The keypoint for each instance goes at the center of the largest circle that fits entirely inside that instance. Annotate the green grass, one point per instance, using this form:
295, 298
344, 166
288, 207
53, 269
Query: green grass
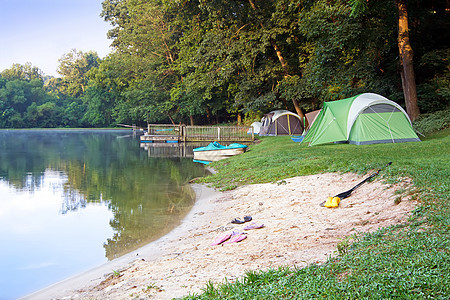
409, 261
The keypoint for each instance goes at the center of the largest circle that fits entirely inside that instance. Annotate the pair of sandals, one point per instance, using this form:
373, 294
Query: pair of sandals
229, 237
239, 221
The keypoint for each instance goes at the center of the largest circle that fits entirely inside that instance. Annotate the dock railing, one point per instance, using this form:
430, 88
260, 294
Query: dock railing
202, 133
165, 130
218, 133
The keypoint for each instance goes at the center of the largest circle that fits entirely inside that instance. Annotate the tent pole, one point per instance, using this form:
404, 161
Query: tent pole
289, 125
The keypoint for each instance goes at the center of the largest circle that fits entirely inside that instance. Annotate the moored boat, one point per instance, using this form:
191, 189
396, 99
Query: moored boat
215, 151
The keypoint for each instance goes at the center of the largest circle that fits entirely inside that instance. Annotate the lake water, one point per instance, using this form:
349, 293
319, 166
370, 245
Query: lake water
71, 200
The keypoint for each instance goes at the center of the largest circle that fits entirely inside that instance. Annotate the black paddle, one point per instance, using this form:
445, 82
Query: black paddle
346, 194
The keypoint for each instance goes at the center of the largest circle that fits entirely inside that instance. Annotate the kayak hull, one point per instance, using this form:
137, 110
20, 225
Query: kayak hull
214, 151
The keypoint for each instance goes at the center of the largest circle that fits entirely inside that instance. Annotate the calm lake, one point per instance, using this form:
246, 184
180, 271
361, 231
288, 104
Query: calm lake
73, 199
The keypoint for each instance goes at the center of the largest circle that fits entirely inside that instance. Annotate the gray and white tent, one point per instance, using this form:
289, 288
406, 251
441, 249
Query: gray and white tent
281, 122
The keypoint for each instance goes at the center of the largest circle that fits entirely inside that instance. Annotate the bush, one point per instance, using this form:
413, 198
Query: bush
433, 122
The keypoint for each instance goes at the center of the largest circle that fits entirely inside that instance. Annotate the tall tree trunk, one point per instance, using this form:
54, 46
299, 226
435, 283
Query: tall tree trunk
283, 62
170, 117
300, 113
252, 4
284, 65
191, 117
406, 60
239, 119
208, 115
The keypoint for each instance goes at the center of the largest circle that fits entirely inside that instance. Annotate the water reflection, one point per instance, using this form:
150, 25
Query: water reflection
91, 188
39, 244
55, 182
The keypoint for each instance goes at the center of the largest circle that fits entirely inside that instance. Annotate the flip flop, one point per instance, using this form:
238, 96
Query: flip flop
236, 238
221, 238
253, 226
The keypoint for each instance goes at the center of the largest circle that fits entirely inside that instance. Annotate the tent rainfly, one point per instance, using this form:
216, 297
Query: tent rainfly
311, 117
363, 119
281, 122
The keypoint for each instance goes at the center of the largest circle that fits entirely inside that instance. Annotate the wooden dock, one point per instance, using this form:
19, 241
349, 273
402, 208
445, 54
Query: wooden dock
160, 139
171, 149
162, 133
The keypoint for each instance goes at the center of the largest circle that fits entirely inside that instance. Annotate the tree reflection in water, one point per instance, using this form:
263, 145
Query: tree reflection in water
148, 196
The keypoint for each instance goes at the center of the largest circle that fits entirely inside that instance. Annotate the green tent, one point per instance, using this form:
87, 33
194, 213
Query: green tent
363, 119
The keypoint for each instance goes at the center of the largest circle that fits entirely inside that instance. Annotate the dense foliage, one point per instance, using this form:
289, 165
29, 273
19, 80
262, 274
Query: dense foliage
214, 61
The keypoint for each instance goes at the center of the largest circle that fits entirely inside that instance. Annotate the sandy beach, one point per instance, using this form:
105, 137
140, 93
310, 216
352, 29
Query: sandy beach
297, 232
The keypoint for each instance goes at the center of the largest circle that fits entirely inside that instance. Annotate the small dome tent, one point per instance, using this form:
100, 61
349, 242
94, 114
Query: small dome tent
363, 119
256, 127
281, 122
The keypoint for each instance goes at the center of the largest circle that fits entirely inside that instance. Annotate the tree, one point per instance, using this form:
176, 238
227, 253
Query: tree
406, 61
145, 37
197, 60
406, 54
246, 52
22, 72
275, 44
23, 100
73, 68
46, 115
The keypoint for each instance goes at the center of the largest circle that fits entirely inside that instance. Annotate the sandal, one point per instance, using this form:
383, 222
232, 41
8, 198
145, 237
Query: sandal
237, 221
253, 226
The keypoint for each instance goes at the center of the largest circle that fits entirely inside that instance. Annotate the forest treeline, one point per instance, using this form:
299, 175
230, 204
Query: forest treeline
206, 62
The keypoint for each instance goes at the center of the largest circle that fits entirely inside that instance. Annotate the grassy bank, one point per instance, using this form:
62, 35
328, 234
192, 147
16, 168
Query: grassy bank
410, 261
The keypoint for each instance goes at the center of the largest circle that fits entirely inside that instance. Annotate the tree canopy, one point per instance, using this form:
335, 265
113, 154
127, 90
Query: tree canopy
197, 61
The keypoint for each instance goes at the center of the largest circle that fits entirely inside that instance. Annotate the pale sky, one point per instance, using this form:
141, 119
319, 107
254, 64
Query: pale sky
41, 31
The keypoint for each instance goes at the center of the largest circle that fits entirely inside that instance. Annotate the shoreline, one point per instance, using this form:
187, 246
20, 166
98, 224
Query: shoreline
297, 232
96, 275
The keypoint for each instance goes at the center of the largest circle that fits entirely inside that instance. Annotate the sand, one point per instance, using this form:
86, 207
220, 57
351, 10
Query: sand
297, 232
